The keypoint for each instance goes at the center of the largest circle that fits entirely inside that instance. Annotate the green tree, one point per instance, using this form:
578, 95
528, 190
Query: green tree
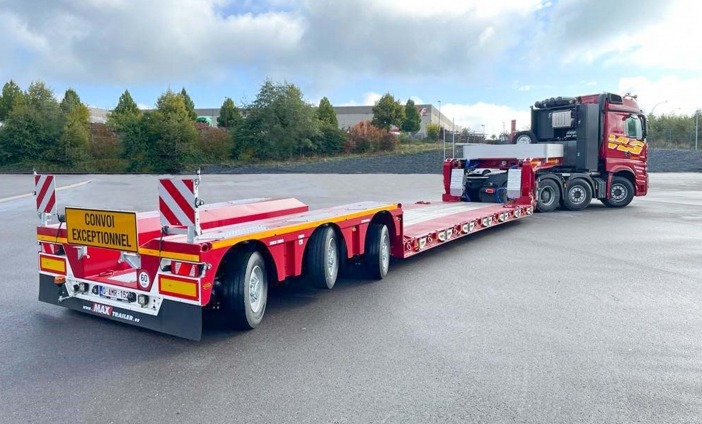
11, 96
278, 125
413, 121
75, 138
433, 131
229, 115
45, 115
125, 113
326, 112
189, 104
387, 112
172, 135
70, 101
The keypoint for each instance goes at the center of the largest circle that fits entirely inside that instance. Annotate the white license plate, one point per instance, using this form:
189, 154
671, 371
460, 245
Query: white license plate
114, 293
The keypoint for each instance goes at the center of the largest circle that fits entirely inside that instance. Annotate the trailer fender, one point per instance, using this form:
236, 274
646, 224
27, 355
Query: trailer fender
274, 262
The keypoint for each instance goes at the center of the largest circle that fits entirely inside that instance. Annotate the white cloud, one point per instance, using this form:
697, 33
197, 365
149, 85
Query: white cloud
658, 34
669, 94
493, 116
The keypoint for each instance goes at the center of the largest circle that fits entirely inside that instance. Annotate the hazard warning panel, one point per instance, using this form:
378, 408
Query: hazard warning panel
101, 228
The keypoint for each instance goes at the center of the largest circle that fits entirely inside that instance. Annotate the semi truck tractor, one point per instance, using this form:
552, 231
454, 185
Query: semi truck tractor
593, 147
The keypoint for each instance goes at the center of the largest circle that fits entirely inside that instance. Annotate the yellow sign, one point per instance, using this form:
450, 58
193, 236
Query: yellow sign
98, 228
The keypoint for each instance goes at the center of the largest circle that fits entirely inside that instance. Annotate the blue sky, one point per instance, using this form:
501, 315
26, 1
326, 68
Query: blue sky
485, 61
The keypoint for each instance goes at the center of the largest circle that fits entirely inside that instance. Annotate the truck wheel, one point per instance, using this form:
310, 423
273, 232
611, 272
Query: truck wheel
245, 291
578, 195
548, 196
377, 251
524, 137
621, 193
322, 259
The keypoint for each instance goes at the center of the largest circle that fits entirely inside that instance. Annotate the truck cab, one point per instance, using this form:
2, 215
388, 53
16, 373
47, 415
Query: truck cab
604, 150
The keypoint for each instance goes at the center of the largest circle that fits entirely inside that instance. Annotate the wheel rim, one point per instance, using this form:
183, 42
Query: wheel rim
385, 252
618, 192
577, 195
546, 195
332, 262
256, 289
523, 139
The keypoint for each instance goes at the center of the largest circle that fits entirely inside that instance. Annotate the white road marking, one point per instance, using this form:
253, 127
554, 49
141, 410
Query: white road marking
20, 196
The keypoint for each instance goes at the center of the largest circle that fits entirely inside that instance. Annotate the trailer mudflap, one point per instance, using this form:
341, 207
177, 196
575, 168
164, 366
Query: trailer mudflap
174, 318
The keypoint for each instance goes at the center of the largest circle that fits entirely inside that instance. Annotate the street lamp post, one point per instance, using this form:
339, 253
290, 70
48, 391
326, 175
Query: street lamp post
656, 105
453, 139
697, 125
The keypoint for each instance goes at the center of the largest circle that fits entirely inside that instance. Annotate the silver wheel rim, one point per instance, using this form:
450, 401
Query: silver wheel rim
577, 195
331, 257
385, 252
523, 139
256, 289
618, 188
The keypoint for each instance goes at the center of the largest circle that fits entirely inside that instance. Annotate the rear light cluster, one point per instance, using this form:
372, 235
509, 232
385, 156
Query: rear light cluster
185, 269
52, 248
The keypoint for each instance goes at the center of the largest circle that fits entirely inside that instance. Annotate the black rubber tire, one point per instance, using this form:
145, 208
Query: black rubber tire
377, 256
548, 195
238, 309
520, 136
578, 194
621, 193
322, 258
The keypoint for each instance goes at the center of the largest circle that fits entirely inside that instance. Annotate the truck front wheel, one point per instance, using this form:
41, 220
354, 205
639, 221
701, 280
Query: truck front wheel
377, 251
621, 193
578, 195
245, 291
548, 196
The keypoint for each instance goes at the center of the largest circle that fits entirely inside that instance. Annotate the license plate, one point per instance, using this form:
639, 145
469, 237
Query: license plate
114, 293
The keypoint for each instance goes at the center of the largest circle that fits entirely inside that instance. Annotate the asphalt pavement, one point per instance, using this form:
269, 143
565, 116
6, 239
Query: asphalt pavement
567, 317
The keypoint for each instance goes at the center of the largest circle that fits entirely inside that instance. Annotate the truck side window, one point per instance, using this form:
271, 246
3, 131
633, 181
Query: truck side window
634, 127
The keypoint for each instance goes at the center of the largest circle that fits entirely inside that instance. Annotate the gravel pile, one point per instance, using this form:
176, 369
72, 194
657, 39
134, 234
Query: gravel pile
660, 160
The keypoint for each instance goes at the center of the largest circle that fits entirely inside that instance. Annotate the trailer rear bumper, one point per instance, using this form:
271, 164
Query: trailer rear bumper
174, 318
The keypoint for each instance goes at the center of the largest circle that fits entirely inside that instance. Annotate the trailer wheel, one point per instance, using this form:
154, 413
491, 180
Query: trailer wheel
524, 137
578, 194
245, 291
548, 196
621, 193
322, 259
377, 251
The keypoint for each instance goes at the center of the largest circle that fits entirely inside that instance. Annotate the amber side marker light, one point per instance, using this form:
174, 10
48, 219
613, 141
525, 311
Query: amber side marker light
59, 279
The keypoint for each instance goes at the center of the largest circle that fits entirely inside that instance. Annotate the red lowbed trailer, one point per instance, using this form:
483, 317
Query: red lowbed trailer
160, 270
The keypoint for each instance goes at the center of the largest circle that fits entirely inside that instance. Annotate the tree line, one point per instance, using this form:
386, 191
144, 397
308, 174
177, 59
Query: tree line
39, 131
673, 131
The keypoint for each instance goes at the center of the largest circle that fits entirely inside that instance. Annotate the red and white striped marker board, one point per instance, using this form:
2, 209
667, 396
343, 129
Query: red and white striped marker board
176, 202
45, 192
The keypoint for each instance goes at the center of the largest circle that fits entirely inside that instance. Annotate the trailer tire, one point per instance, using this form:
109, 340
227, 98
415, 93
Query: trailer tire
524, 137
245, 291
621, 193
548, 195
322, 259
377, 256
578, 194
